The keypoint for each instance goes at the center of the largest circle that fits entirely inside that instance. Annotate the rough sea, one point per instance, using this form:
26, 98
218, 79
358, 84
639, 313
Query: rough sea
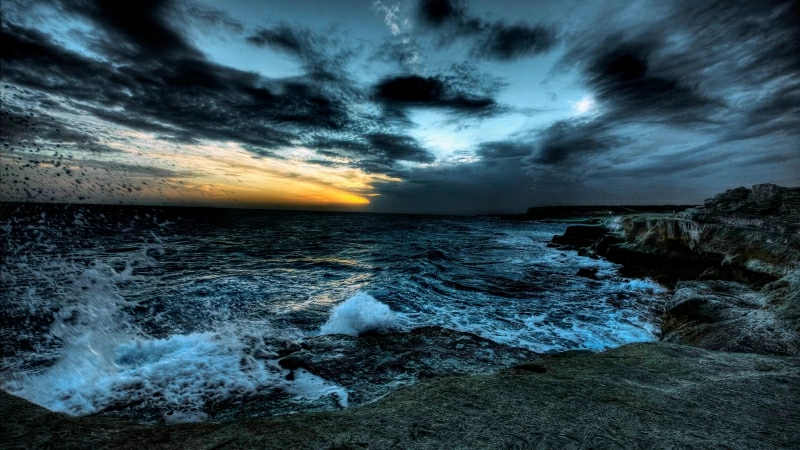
106, 308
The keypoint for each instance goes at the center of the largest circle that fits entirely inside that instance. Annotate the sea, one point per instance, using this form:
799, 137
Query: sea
108, 307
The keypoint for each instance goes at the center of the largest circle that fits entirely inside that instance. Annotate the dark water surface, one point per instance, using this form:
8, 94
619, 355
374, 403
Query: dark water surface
103, 306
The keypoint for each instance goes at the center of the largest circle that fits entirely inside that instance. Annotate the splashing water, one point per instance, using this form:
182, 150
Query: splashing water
359, 314
157, 318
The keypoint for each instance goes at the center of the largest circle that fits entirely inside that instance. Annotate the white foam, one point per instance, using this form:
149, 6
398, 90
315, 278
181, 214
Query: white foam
359, 314
309, 386
106, 361
178, 375
642, 285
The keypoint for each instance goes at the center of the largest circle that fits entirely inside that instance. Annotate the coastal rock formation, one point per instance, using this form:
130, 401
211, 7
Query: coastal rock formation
571, 213
653, 395
730, 316
371, 365
577, 236
746, 235
735, 264
766, 207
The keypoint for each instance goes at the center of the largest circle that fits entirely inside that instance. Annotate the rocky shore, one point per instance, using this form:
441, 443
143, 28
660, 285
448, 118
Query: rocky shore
734, 264
726, 373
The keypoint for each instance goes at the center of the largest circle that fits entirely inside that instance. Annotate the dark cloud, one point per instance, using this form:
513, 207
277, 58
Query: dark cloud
493, 40
778, 113
440, 12
566, 140
622, 77
30, 131
180, 95
212, 16
485, 186
324, 56
405, 53
507, 42
701, 63
143, 24
700, 90
399, 148
283, 37
375, 152
564, 143
462, 91
504, 149
417, 91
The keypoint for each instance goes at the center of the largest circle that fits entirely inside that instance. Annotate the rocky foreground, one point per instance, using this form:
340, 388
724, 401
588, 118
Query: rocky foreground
654, 395
725, 375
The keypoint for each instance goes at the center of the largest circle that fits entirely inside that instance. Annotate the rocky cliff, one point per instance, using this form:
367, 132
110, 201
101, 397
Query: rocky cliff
734, 263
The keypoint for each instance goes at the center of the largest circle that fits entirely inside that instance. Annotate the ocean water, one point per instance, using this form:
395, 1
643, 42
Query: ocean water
178, 309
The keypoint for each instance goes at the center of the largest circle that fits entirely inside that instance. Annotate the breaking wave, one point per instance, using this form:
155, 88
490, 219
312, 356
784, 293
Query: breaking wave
359, 314
106, 361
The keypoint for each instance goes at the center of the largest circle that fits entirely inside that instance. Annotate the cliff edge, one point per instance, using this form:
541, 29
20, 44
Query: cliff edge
734, 264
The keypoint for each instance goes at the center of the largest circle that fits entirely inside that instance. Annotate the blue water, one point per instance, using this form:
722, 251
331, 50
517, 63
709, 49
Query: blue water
103, 304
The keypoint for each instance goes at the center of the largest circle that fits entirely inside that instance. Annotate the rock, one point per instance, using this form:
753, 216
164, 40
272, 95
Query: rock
581, 235
587, 273
730, 316
371, 365
601, 246
666, 262
766, 206
596, 213
649, 396
748, 236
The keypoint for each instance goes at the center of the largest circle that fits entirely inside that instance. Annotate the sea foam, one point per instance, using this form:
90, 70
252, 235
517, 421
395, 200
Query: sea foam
107, 362
359, 314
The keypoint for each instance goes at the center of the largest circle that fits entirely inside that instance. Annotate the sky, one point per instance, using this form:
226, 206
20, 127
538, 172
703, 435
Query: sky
424, 106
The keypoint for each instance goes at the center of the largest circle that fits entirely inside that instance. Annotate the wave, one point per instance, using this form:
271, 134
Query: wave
359, 314
106, 362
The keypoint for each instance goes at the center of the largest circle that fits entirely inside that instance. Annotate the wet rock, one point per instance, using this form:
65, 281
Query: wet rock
371, 365
588, 273
666, 262
590, 214
745, 235
730, 316
581, 235
601, 246
289, 349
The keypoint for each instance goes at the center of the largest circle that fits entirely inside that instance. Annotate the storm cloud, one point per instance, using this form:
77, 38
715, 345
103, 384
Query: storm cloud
492, 40
443, 102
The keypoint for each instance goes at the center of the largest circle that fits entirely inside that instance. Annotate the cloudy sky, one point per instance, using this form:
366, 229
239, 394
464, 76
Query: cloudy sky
397, 106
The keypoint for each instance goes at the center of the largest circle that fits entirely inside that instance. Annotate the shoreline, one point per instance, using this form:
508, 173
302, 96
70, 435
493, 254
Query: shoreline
650, 395
726, 373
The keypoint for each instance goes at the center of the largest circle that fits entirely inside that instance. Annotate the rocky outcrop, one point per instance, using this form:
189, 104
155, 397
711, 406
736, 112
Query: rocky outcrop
572, 213
746, 235
747, 254
653, 396
735, 264
730, 316
371, 365
577, 236
765, 207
